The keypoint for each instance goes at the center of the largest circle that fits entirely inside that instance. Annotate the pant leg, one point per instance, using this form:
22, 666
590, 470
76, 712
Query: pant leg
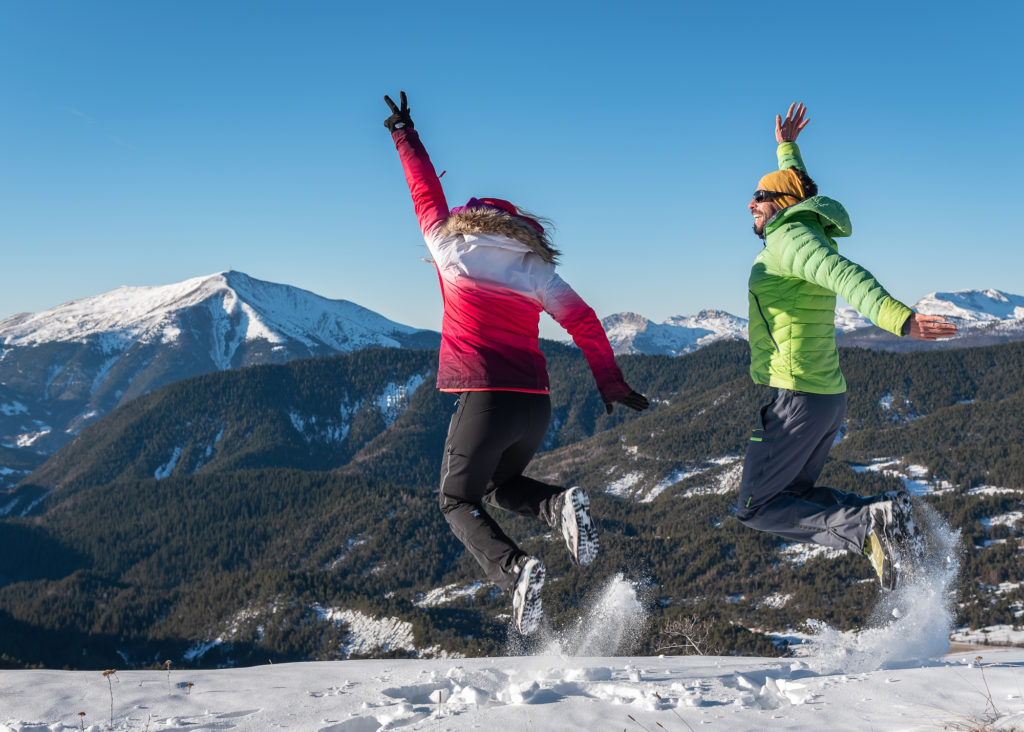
484, 426
509, 488
824, 496
836, 526
784, 458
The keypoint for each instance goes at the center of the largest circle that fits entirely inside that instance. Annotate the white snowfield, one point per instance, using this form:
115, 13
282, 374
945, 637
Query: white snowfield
895, 674
528, 693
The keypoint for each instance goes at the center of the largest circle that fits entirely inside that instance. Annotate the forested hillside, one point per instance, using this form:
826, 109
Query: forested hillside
273, 512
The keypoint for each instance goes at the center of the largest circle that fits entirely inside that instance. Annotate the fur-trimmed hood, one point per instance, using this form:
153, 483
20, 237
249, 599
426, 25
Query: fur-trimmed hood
493, 221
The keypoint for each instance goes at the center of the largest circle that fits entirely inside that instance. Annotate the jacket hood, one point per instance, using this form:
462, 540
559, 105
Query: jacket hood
493, 221
829, 213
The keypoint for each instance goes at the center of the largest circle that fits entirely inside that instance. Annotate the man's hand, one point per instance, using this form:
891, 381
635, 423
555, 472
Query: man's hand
399, 118
633, 400
928, 327
789, 129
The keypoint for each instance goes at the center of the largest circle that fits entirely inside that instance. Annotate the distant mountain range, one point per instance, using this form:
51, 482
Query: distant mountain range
985, 317
632, 333
65, 367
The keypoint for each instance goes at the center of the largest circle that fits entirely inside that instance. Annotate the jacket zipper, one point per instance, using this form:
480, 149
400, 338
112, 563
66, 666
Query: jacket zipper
765, 320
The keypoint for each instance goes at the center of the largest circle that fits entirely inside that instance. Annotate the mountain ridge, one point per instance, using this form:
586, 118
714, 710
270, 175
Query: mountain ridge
63, 368
680, 334
129, 314
985, 317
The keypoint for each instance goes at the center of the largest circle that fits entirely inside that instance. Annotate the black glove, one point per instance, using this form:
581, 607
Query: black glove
400, 117
633, 400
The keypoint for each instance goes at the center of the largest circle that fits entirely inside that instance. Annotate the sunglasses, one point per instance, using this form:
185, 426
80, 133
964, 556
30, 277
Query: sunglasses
761, 196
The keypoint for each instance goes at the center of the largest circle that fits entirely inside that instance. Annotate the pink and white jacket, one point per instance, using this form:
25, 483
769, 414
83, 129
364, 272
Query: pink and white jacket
494, 285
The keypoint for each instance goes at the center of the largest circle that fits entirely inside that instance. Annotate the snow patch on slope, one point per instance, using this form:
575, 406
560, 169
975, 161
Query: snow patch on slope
914, 477
448, 594
799, 554
623, 487
12, 408
373, 635
165, 470
394, 400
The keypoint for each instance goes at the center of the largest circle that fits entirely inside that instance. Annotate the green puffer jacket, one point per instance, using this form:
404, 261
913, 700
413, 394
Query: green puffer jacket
793, 286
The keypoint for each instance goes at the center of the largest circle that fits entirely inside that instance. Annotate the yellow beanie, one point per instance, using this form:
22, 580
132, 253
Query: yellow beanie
783, 181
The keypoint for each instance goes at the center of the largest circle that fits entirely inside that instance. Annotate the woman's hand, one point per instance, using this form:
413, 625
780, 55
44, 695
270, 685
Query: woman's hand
399, 118
633, 400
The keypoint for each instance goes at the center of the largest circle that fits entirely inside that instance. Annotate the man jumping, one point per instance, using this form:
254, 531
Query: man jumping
792, 294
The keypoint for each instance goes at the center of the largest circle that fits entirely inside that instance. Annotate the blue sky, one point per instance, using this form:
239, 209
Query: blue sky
143, 143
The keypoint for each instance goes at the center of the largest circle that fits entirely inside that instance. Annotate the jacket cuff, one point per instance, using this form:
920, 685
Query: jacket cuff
892, 315
614, 391
788, 154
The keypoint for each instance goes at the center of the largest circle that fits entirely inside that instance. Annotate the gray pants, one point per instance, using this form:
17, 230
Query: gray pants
784, 458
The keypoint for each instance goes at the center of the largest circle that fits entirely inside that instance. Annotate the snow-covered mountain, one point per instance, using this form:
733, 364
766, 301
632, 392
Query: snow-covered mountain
63, 368
679, 334
235, 309
984, 317
632, 333
976, 307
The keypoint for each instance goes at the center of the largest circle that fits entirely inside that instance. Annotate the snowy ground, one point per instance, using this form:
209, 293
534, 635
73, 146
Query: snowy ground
528, 693
895, 674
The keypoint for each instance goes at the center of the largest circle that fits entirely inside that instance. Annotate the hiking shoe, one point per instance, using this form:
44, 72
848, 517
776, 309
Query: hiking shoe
571, 512
873, 551
883, 542
526, 606
912, 540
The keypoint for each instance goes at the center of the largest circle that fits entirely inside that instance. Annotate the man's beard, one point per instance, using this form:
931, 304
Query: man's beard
760, 234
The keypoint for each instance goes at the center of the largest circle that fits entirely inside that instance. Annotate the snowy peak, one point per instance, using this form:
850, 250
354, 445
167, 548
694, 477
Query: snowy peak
257, 310
974, 307
969, 309
71, 364
632, 333
983, 316
717, 321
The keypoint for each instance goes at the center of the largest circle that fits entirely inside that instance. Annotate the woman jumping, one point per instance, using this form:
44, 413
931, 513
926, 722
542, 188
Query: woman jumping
497, 270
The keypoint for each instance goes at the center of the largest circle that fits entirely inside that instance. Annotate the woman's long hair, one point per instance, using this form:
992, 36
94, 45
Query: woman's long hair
545, 238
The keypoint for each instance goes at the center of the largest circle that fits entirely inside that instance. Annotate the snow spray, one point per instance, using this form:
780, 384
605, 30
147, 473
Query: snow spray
612, 625
909, 625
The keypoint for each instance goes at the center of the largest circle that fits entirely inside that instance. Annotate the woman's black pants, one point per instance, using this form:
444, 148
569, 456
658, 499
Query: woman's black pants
492, 437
